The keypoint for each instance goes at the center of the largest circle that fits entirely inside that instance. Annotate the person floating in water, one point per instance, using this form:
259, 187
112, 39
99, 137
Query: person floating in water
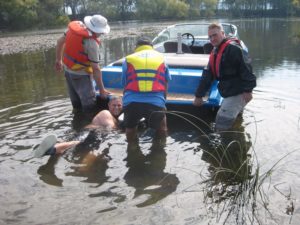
105, 119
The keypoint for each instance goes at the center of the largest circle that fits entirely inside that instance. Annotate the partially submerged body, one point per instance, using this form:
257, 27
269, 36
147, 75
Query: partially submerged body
104, 120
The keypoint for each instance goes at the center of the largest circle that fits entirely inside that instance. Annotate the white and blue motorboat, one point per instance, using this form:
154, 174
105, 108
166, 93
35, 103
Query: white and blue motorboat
186, 49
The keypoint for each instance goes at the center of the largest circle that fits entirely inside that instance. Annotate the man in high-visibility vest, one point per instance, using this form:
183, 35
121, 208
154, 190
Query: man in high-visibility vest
145, 80
78, 53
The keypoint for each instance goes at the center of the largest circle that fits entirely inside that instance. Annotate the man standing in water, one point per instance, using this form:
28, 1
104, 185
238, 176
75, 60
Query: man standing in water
79, 54
145, 78
105, 119
227, 64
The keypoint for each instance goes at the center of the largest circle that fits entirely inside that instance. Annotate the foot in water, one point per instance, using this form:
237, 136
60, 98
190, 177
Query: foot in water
46, 147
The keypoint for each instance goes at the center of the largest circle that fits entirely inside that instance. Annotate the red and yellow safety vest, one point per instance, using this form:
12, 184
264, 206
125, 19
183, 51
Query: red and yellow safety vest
145, 70
215, 59
74, 56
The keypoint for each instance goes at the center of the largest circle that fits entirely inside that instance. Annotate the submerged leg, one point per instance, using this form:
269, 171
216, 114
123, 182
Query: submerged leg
62, 147
49, 146
228, 112
131, 135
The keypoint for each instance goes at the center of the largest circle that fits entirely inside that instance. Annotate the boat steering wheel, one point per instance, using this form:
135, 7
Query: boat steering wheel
187, 37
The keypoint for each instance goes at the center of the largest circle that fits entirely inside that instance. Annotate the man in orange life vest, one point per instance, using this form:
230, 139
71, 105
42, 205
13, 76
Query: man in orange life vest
145, 79
77, 51
229, 65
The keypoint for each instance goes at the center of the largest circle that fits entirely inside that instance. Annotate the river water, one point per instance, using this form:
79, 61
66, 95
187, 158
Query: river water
187, 180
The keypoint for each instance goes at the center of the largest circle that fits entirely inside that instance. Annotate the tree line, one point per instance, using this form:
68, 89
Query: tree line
25, 14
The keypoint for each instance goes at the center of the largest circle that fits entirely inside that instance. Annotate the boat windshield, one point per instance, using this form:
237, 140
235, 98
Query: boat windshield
199, 31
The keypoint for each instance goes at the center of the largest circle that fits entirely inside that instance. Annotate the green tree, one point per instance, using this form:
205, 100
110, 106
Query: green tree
18, 14
194, 7
198, 8
72, 5
262, 7
124, 7
176, 9
154, 9
113, 9
208, 7
296, 3
51, 13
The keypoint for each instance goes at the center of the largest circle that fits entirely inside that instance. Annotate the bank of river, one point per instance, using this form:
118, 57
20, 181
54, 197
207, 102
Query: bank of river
12, 43
27, 43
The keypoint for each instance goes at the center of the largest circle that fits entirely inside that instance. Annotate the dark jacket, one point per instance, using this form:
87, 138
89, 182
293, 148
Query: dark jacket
236, 74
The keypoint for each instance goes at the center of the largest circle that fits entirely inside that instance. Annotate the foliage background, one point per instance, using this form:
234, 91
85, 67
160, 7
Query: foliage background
25, 14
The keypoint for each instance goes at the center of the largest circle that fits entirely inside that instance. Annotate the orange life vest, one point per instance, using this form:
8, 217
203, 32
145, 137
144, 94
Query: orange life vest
215, 59
145, 71
74, 56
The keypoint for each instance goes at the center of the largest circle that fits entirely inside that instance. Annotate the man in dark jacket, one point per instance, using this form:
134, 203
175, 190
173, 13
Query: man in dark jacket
229, 65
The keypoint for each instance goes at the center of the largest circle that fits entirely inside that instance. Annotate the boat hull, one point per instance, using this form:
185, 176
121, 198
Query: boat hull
181, 88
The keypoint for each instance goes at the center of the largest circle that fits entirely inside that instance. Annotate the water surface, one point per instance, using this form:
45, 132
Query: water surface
175, 183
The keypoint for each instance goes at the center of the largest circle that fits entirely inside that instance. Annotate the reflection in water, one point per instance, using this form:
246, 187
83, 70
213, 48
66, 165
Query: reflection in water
228, 158
230, 168
47, 172
146, 173
30, 80
89, 159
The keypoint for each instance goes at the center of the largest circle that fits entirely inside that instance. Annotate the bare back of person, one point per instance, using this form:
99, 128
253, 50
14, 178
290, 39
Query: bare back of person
105, 119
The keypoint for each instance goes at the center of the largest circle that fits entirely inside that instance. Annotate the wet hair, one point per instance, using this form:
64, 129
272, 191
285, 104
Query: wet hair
215, 25
114, 97
143, 41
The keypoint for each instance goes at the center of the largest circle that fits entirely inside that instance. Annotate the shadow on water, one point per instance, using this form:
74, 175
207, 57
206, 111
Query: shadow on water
88, 160
146, 173
47, 172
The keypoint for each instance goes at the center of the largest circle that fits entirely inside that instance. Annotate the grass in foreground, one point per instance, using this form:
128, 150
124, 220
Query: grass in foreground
233, 191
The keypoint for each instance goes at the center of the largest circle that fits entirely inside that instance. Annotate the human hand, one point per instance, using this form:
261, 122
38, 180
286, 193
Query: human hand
104, 94
198, 101
247, 96
58, 65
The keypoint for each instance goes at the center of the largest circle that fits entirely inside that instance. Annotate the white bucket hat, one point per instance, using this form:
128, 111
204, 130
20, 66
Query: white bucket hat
97, 24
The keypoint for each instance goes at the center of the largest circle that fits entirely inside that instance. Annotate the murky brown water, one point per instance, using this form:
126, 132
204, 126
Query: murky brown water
178, 183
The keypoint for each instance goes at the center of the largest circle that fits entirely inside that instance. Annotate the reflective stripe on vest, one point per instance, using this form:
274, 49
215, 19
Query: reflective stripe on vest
215, 59
74, 56
145, 71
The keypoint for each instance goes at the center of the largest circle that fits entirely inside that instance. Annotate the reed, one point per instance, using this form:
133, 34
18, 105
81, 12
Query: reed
234, 191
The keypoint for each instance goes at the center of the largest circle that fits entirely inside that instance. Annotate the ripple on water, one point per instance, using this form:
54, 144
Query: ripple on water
26, 123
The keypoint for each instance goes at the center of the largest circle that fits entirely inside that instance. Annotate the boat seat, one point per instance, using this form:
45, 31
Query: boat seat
171, 47
207, 47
